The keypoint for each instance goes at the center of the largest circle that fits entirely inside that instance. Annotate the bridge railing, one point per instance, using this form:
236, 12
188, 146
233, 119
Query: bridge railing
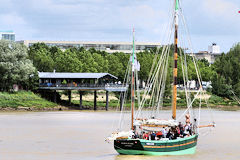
54, 85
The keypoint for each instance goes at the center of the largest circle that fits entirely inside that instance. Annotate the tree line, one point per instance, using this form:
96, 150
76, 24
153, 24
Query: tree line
19, 65
47, 59
226, 76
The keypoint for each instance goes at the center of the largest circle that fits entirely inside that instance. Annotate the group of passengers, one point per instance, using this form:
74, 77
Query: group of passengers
170, 133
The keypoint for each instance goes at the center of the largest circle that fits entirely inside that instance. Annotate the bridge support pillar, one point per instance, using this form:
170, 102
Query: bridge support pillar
95, 100
107, 100
121, 101
80, 102
69, 96
55, 96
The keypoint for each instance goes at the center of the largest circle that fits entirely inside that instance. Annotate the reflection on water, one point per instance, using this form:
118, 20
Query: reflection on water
80, 135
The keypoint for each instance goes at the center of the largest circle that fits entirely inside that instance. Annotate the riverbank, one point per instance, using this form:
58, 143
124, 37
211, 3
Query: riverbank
213, 101
28, 101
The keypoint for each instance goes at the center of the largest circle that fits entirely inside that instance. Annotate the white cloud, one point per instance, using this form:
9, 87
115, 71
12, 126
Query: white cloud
221, 8
113, 20
142, 15
12, 21
149, 22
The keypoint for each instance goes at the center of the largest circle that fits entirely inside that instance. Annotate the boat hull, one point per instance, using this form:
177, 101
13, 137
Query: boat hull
181, 146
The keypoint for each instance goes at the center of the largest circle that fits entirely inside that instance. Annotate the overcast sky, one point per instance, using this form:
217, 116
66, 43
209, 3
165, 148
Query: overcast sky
112, 20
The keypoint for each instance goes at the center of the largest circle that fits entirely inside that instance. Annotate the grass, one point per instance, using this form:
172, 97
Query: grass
23, 99
222, 101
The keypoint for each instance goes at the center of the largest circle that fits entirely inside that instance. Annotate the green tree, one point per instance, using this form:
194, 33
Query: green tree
146, 60
205, 70
68, 62
227, 68
220, 86
54, 52
89, 63
15, 67
102, 64
41, 56
115, 66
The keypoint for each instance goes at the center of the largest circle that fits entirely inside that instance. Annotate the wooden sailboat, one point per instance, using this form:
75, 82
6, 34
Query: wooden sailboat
127, 143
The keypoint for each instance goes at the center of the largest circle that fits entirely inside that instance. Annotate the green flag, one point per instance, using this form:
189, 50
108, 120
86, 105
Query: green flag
133, 46
177, 5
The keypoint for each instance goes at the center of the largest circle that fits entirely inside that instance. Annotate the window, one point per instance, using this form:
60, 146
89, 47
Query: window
10, 37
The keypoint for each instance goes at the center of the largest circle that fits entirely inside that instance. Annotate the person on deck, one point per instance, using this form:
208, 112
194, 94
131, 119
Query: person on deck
145, 135
150, 136
180, 126
194, 126
153, 136
169, 135
136, 135
159, 134
186, 130
190, 129
164, 132
187, 116
176, 133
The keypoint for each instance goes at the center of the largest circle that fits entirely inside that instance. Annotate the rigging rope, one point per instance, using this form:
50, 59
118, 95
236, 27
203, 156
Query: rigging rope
154, 73
156, 82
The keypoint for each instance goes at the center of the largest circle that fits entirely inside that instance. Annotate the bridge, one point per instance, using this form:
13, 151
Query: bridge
54, 81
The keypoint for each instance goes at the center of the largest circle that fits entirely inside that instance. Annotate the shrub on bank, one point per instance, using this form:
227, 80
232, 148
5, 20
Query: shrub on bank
216, 100
23, 99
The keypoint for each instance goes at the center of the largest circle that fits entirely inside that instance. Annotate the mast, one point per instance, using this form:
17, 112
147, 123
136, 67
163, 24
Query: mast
133, 81
174, 103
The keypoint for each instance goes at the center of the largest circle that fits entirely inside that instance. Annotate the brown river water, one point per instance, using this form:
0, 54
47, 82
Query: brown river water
75, 135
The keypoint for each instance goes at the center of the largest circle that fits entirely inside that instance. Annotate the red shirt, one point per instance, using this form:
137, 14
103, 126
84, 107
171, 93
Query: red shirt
145, 136
159, 133
178, 131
